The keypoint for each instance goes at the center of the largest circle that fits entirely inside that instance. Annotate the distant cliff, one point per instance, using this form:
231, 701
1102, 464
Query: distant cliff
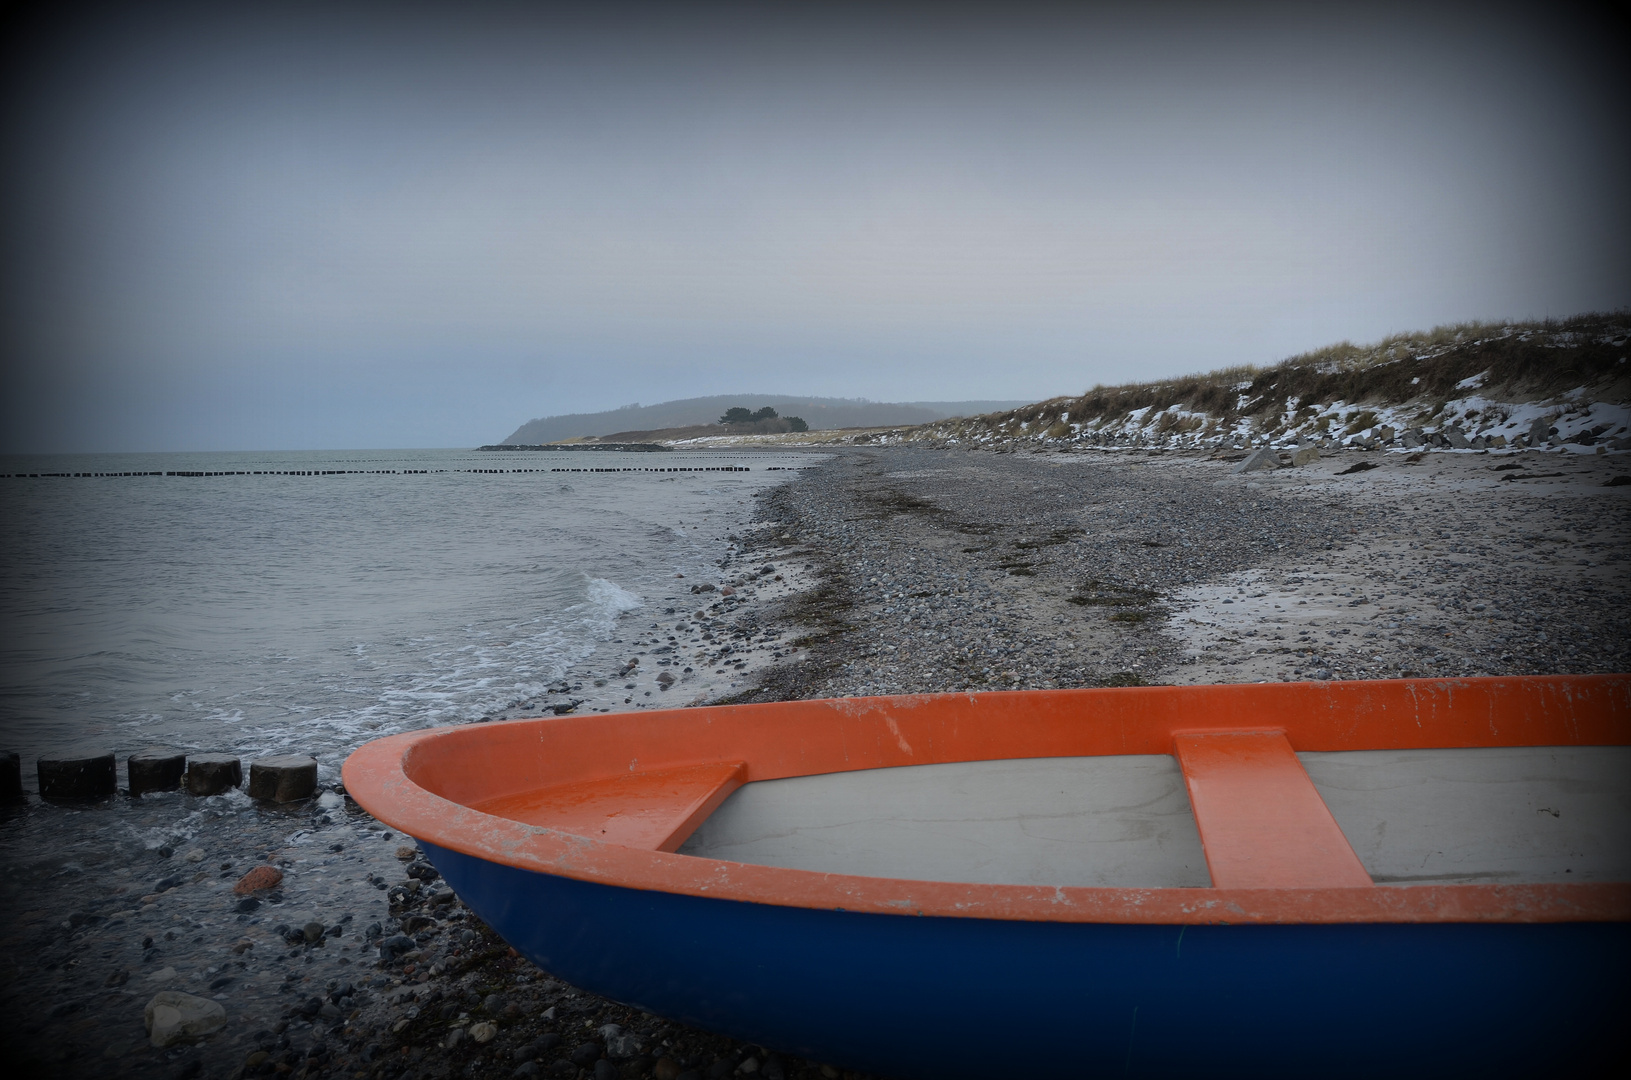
822, 414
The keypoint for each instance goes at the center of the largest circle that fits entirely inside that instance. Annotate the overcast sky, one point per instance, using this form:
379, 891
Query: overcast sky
263, 226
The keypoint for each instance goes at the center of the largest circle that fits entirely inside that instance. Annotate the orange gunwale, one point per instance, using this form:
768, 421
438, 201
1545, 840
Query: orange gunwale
426, 784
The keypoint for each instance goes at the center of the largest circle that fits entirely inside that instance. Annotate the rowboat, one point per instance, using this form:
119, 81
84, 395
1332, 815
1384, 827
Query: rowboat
1402, 877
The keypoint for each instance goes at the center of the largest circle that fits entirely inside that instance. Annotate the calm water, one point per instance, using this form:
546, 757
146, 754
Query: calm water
263, 613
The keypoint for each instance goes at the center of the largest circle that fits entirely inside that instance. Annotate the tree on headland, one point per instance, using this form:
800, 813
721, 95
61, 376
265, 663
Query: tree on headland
739, 415
797, 423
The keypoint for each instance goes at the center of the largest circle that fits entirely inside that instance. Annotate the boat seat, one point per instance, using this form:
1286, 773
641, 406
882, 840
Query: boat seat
654, 810
1262, 823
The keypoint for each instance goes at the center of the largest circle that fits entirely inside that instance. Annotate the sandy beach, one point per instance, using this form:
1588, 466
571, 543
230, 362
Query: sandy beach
882, 571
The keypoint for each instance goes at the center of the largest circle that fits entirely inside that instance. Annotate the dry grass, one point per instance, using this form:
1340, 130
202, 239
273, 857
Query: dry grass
1523, 360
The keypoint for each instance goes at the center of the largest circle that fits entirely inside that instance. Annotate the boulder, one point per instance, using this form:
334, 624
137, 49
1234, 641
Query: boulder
287, 778
155, 770
88, 776
1411, 438
211, 774
1539, 430
1456, 439
174, 1017
1305, 455
1259, 459
11, 777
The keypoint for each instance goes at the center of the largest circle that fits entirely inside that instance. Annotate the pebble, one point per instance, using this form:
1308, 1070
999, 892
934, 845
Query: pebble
261, 877
172, 1016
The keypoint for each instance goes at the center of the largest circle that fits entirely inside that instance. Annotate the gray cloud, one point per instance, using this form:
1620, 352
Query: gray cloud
296, 226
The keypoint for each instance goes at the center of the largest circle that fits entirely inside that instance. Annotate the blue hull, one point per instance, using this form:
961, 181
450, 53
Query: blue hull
946, 997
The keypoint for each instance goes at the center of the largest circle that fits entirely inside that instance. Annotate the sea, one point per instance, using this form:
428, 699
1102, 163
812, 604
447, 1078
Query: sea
261, 603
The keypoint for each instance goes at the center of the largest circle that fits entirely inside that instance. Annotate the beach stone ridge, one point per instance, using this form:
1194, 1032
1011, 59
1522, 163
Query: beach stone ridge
281, 779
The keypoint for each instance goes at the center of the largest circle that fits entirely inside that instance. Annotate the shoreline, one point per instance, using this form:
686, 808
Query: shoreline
1167, 567
903, 570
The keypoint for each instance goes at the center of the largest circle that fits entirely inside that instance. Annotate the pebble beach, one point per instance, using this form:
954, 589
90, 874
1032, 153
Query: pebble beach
334, 950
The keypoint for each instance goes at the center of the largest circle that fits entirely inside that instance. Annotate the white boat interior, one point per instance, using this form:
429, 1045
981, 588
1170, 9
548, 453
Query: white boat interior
1487, 815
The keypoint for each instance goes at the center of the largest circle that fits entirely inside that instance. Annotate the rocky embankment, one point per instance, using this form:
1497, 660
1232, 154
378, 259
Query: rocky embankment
1473, 386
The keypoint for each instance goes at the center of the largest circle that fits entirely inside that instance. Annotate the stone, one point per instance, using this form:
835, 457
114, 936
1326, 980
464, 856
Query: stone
1539, 429
312, 931
211, 774
1304, 455
526, 1070
283, 779
586, 1054
90, 776
1498, 442
261, 877
665, 1069
665, 679
155, 769
424, 871
11, 777
1411, 438
1257, 460
619, 1043
484, 1031
1456, 439
396, 945
174, 1017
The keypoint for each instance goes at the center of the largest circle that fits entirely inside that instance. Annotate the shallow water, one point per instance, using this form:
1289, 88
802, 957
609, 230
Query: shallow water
255, 614
268, 613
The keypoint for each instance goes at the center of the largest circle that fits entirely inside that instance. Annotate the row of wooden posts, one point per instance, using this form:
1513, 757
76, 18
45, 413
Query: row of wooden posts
281, 779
